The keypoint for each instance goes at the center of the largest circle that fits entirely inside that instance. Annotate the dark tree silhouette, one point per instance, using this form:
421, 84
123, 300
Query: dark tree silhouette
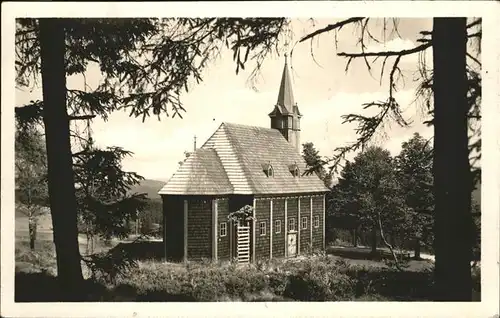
452, 91
452, 178
145, 66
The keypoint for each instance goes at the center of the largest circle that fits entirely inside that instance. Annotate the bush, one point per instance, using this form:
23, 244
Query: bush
320, 282
319, 278
392, 284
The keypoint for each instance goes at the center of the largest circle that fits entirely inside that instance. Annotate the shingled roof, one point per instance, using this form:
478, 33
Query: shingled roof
201, 173
232, 161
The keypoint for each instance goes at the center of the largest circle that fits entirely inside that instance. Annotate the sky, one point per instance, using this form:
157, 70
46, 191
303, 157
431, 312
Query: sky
322, 89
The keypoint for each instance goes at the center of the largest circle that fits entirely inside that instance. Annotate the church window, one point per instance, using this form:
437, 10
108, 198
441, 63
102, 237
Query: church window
268, 169
262, 228
316, 221
304, 223
223, 229
294, 170
277, 226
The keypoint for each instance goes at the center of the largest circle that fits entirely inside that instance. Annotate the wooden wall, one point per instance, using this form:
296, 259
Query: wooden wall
173, 228
200, 233
223, 242
262, 213
262, 209
199, 229
305, 235
318, 232
279, 239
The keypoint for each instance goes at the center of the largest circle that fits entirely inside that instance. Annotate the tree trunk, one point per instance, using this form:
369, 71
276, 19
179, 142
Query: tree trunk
59, 161
374, 240
417, 248
451, 163
32, 233
355, 237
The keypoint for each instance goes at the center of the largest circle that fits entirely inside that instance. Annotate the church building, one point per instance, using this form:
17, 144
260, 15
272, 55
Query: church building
242, 165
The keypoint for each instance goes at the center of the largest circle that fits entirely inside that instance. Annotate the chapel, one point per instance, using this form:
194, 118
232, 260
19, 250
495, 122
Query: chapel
241, 165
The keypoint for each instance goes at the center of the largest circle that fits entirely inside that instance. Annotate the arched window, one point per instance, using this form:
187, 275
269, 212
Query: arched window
268, 169
294, 170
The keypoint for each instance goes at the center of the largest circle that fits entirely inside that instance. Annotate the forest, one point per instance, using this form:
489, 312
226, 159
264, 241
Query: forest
419, 200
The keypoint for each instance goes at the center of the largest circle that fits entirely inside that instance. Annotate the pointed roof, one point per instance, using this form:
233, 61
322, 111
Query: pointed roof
242, 152
286, 102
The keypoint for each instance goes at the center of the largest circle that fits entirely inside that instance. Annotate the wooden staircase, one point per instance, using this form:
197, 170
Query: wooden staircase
243, 244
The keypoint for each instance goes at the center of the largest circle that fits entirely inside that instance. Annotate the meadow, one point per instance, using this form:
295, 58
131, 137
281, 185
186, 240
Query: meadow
347, 275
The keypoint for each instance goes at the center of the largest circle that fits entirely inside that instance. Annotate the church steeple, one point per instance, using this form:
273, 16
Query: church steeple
285, 95
286, 116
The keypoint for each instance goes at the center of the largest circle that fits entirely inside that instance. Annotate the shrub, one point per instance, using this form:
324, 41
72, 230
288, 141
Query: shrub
239, 283
278, 282
320, 281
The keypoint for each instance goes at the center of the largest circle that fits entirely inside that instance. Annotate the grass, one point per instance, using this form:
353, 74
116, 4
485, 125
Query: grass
350, 276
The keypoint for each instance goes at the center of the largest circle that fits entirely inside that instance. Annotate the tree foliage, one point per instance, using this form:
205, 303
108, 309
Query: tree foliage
414, 172
145, 65
315, 163
393, 76
30, 176
451, 90
368, 190
30, 169
103, 199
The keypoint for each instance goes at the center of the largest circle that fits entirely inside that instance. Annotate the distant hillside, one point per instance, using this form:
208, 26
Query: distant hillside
150, 187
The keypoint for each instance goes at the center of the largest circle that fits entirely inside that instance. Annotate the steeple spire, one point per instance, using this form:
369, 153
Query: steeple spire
286, 115
285, 95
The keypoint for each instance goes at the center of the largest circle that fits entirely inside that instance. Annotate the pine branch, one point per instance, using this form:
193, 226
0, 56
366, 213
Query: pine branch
388, 53
330, 27
82, 117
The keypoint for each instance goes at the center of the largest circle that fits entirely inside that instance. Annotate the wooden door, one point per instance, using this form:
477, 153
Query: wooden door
292, 244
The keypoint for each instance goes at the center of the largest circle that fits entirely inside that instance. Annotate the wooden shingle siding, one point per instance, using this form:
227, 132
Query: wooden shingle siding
318, 232
223, 242
305, 235
220, 141
262, 214
292, 211
173, 214
199, 229
279, 239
